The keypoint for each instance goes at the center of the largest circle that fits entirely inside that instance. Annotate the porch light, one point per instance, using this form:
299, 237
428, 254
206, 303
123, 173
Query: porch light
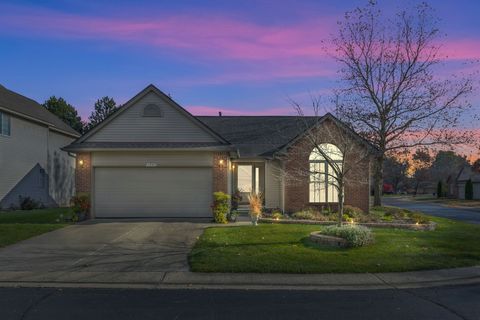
80, 162
220, 161
233, 167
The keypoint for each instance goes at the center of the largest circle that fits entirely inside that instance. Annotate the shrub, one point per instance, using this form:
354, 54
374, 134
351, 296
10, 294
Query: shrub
352, 212
277, 215
469, 190
439, 189
306, 214
236, 198
232, 215
27, 203
356, 236
220, 206
418, 217
80, 206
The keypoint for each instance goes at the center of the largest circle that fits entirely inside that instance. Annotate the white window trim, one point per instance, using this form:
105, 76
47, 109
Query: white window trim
2, 114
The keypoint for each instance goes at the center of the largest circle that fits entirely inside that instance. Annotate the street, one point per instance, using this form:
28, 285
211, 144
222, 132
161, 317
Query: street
459, 302
470, 215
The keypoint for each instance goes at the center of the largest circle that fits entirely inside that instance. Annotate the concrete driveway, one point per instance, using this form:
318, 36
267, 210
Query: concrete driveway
110, 246
470, 215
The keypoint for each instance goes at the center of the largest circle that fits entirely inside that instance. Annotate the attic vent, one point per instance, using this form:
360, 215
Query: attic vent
152, 110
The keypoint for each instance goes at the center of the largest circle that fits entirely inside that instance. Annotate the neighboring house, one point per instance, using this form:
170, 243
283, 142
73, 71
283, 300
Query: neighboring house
152, 158
31, 161
465, 174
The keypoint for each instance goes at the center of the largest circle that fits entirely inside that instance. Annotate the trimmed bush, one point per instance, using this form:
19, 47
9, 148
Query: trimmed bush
469, 190
27, 203
356, 236
220, 206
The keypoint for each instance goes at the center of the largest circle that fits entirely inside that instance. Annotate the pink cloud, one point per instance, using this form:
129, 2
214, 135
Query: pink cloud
461, 49
212, 36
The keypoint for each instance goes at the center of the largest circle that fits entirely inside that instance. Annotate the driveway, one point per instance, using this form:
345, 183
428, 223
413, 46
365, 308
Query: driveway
111, 246
470, 215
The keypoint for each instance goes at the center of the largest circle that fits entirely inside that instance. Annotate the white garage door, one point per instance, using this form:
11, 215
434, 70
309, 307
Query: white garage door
152, 192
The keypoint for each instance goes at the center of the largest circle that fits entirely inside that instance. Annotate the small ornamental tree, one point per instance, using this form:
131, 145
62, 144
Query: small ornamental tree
469, 190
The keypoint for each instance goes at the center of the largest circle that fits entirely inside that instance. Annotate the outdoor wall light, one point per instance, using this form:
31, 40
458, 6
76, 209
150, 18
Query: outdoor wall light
80, 163
220, 161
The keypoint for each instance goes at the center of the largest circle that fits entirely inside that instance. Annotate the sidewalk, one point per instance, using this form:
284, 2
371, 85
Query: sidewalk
190, 280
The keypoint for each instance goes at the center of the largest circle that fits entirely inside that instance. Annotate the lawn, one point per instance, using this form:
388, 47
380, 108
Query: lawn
286, 249
19, 225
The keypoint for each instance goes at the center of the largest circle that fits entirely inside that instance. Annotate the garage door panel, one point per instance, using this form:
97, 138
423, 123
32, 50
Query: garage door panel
153, 192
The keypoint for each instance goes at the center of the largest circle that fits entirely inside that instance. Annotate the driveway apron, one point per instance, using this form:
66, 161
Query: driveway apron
114, 246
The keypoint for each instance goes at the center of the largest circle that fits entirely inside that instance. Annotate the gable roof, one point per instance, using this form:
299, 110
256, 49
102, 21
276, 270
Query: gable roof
467, 173
150, 88
30, 109
265, 136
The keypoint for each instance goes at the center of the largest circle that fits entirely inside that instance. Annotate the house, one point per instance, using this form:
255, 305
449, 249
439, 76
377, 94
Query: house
31, 161
152, 158
465, 174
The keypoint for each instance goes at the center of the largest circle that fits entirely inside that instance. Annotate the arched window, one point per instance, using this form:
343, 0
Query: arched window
152, 110
322, 175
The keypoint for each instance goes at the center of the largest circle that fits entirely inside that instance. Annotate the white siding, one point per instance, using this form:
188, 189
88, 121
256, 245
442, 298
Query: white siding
21, 151
273, 185
476, 190
160, 159
131, 126
60, 169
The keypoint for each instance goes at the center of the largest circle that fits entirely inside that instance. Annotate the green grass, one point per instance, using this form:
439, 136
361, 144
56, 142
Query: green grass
286, 249
19, 225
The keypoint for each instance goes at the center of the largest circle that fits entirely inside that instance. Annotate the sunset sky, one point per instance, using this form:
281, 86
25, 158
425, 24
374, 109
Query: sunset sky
240, 57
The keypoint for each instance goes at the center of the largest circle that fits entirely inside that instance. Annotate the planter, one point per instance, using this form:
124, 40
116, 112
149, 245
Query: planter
255, 219
81, 216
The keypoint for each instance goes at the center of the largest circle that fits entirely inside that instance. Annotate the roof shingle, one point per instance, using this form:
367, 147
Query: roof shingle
20, 104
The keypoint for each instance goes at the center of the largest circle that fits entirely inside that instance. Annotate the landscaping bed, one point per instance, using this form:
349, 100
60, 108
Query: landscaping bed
19, 225
378, 217
286, 248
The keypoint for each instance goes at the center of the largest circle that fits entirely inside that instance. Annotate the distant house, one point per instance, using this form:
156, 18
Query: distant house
31, 161
465, 174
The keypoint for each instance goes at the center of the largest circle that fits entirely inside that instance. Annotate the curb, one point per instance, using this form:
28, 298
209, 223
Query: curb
268, 281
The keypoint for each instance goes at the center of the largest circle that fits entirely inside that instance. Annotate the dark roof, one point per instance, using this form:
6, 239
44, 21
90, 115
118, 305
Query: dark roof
147, 145
25, 106
258, 135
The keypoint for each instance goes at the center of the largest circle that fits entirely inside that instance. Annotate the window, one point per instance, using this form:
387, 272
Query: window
322, 175
152, 110
4, 124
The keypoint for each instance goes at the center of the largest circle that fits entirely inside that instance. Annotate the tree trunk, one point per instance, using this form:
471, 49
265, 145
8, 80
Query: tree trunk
340, 206
378, 181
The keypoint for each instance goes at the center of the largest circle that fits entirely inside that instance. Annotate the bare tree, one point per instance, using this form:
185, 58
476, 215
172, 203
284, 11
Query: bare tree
391, 94
345, 154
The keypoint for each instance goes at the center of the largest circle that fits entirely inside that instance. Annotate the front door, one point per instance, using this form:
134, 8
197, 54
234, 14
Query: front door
249, 179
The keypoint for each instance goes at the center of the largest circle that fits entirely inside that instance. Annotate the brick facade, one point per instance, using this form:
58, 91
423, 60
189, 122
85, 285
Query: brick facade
83, 173
297, 184
220, 171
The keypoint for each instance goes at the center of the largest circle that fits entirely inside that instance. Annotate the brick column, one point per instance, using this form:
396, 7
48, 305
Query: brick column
83, 172
220, 172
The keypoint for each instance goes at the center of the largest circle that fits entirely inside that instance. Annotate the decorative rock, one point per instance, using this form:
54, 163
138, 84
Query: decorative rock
322, 239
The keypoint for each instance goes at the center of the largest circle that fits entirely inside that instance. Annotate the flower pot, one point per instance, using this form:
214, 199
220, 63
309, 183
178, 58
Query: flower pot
254, 220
